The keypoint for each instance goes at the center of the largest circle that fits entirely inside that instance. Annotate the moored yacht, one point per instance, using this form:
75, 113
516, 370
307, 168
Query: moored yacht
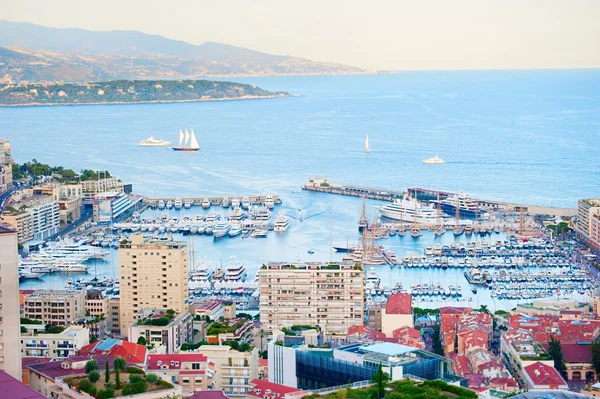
187, 204
206, 203
245, 203
269, 202
467, 207
409, 210
225, 203
221, 230
235, 272
178, 203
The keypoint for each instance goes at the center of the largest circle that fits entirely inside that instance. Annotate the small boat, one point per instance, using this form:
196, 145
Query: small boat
310, 251
433, 161
415, 232
269, 201
235, 202
225, 203
206, 203
161, 204
178, 203
245, 203
187, 204
152, 142
259, 233
169, 204
235, 231
458, 230
367, 146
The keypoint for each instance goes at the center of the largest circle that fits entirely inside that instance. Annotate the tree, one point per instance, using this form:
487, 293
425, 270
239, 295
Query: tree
555, 351
595, 349
90, 366
107, 393
380, 378
244, 347
152, 378
133, 378
93, 339
120, 363
107, 373
94, 376
87, 386
141, 340
117, 377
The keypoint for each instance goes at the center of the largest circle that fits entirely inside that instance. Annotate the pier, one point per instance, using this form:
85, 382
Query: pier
215, 200
322, 185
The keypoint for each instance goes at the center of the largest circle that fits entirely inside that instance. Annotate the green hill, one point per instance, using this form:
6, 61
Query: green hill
130, 91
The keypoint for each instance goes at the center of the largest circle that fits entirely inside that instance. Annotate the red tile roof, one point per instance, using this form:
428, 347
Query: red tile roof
399, 304
366, 333
28, 361
453, 310
574, 353
502, 382
178, 358
276, 390
54, 369
462, 365
543, 375
15, 389
130, 351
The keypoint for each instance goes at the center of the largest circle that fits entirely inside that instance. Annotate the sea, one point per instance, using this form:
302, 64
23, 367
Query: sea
529, 137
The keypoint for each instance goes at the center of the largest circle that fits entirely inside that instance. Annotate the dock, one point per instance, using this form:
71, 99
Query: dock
322, 185
215, 200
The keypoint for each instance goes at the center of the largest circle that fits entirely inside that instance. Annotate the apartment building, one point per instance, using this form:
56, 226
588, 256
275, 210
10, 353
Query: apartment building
5, 165
57, 307
588, 221
36, 342
35, 219
10, 360
114, 306
178, 331
233, 370
328, 295
69, 199
153, 275
193, 371
113, 206
92, 187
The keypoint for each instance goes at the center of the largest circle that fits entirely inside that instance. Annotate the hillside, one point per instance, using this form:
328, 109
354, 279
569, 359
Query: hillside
89, 55
130, 91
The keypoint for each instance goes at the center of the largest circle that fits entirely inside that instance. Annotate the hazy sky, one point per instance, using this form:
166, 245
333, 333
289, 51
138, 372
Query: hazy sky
378, 34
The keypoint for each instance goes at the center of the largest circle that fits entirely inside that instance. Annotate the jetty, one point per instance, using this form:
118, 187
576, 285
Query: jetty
322, 185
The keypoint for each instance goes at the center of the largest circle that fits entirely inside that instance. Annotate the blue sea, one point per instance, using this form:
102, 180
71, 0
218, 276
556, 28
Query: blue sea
530, 137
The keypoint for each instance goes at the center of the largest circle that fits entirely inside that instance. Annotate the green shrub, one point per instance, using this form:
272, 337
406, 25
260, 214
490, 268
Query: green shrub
87, 386
107, 393
141, 340
152, 378
134, 388
134, 370
120, 363
94, 376
133, 378
165, 384
90, 366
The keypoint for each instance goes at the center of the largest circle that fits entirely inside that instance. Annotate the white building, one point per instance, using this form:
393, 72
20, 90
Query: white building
10, 360
111, 206
37, 343
179, 330
35, 220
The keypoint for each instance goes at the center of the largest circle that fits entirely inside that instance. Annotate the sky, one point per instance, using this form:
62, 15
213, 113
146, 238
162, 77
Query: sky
373, 34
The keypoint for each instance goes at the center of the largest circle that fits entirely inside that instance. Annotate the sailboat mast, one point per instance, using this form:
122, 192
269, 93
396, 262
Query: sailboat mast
330, 237
457, 204
438, 221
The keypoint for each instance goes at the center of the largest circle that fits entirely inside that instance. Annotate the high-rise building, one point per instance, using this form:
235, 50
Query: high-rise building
328, 295
153, 275
10, 358
588, 221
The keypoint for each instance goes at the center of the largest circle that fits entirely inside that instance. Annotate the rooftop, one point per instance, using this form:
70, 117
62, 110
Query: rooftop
174, 361
399, 304
15, 389
54, 369
6, 228
542, 374
262, 388
208, 304
54, 294
130, 351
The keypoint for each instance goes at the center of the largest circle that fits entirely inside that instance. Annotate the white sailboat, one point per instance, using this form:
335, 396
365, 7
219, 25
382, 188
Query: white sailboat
186, 138
367, 147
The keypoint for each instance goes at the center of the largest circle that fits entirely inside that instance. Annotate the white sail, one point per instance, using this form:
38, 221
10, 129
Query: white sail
193, 142
367, 148
180, 137
187, 138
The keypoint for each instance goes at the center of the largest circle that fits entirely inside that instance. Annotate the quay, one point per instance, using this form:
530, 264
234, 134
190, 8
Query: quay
322, 185
215, 200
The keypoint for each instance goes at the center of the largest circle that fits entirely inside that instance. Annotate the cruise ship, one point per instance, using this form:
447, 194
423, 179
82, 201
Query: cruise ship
409, 210
152, 142
468, 208
282, 222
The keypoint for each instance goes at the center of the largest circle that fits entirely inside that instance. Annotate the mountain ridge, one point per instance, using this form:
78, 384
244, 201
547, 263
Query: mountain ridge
125, 53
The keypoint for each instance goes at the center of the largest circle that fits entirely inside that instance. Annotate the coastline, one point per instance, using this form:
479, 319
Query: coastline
152, 102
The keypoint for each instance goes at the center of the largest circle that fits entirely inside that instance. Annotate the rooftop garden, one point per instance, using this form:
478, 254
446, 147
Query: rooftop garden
227, 326
121, 381
159, 319
235, 345
405, 389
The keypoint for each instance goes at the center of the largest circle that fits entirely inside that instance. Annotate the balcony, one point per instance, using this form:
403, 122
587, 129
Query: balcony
38, 345
66, 346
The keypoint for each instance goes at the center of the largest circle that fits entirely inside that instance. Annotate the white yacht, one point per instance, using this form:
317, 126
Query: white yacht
409, 210
433, 161
78, 248
262, 214
200, 278
221, 230
226, 202
161, 204
64, 266
235, 202
237, 215
206, 203
259, 233
235, 231
187, 204
236, 272
212, 217
169, 204
282, 222
152, 142
178, 203
269, 201
245, 203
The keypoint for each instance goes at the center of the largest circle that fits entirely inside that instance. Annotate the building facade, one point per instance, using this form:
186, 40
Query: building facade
153, 275
10, 359
35, 342
5, 165
328, 295
113, 206
193, 371
179, 330
35, 220
588, 221
57, 307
